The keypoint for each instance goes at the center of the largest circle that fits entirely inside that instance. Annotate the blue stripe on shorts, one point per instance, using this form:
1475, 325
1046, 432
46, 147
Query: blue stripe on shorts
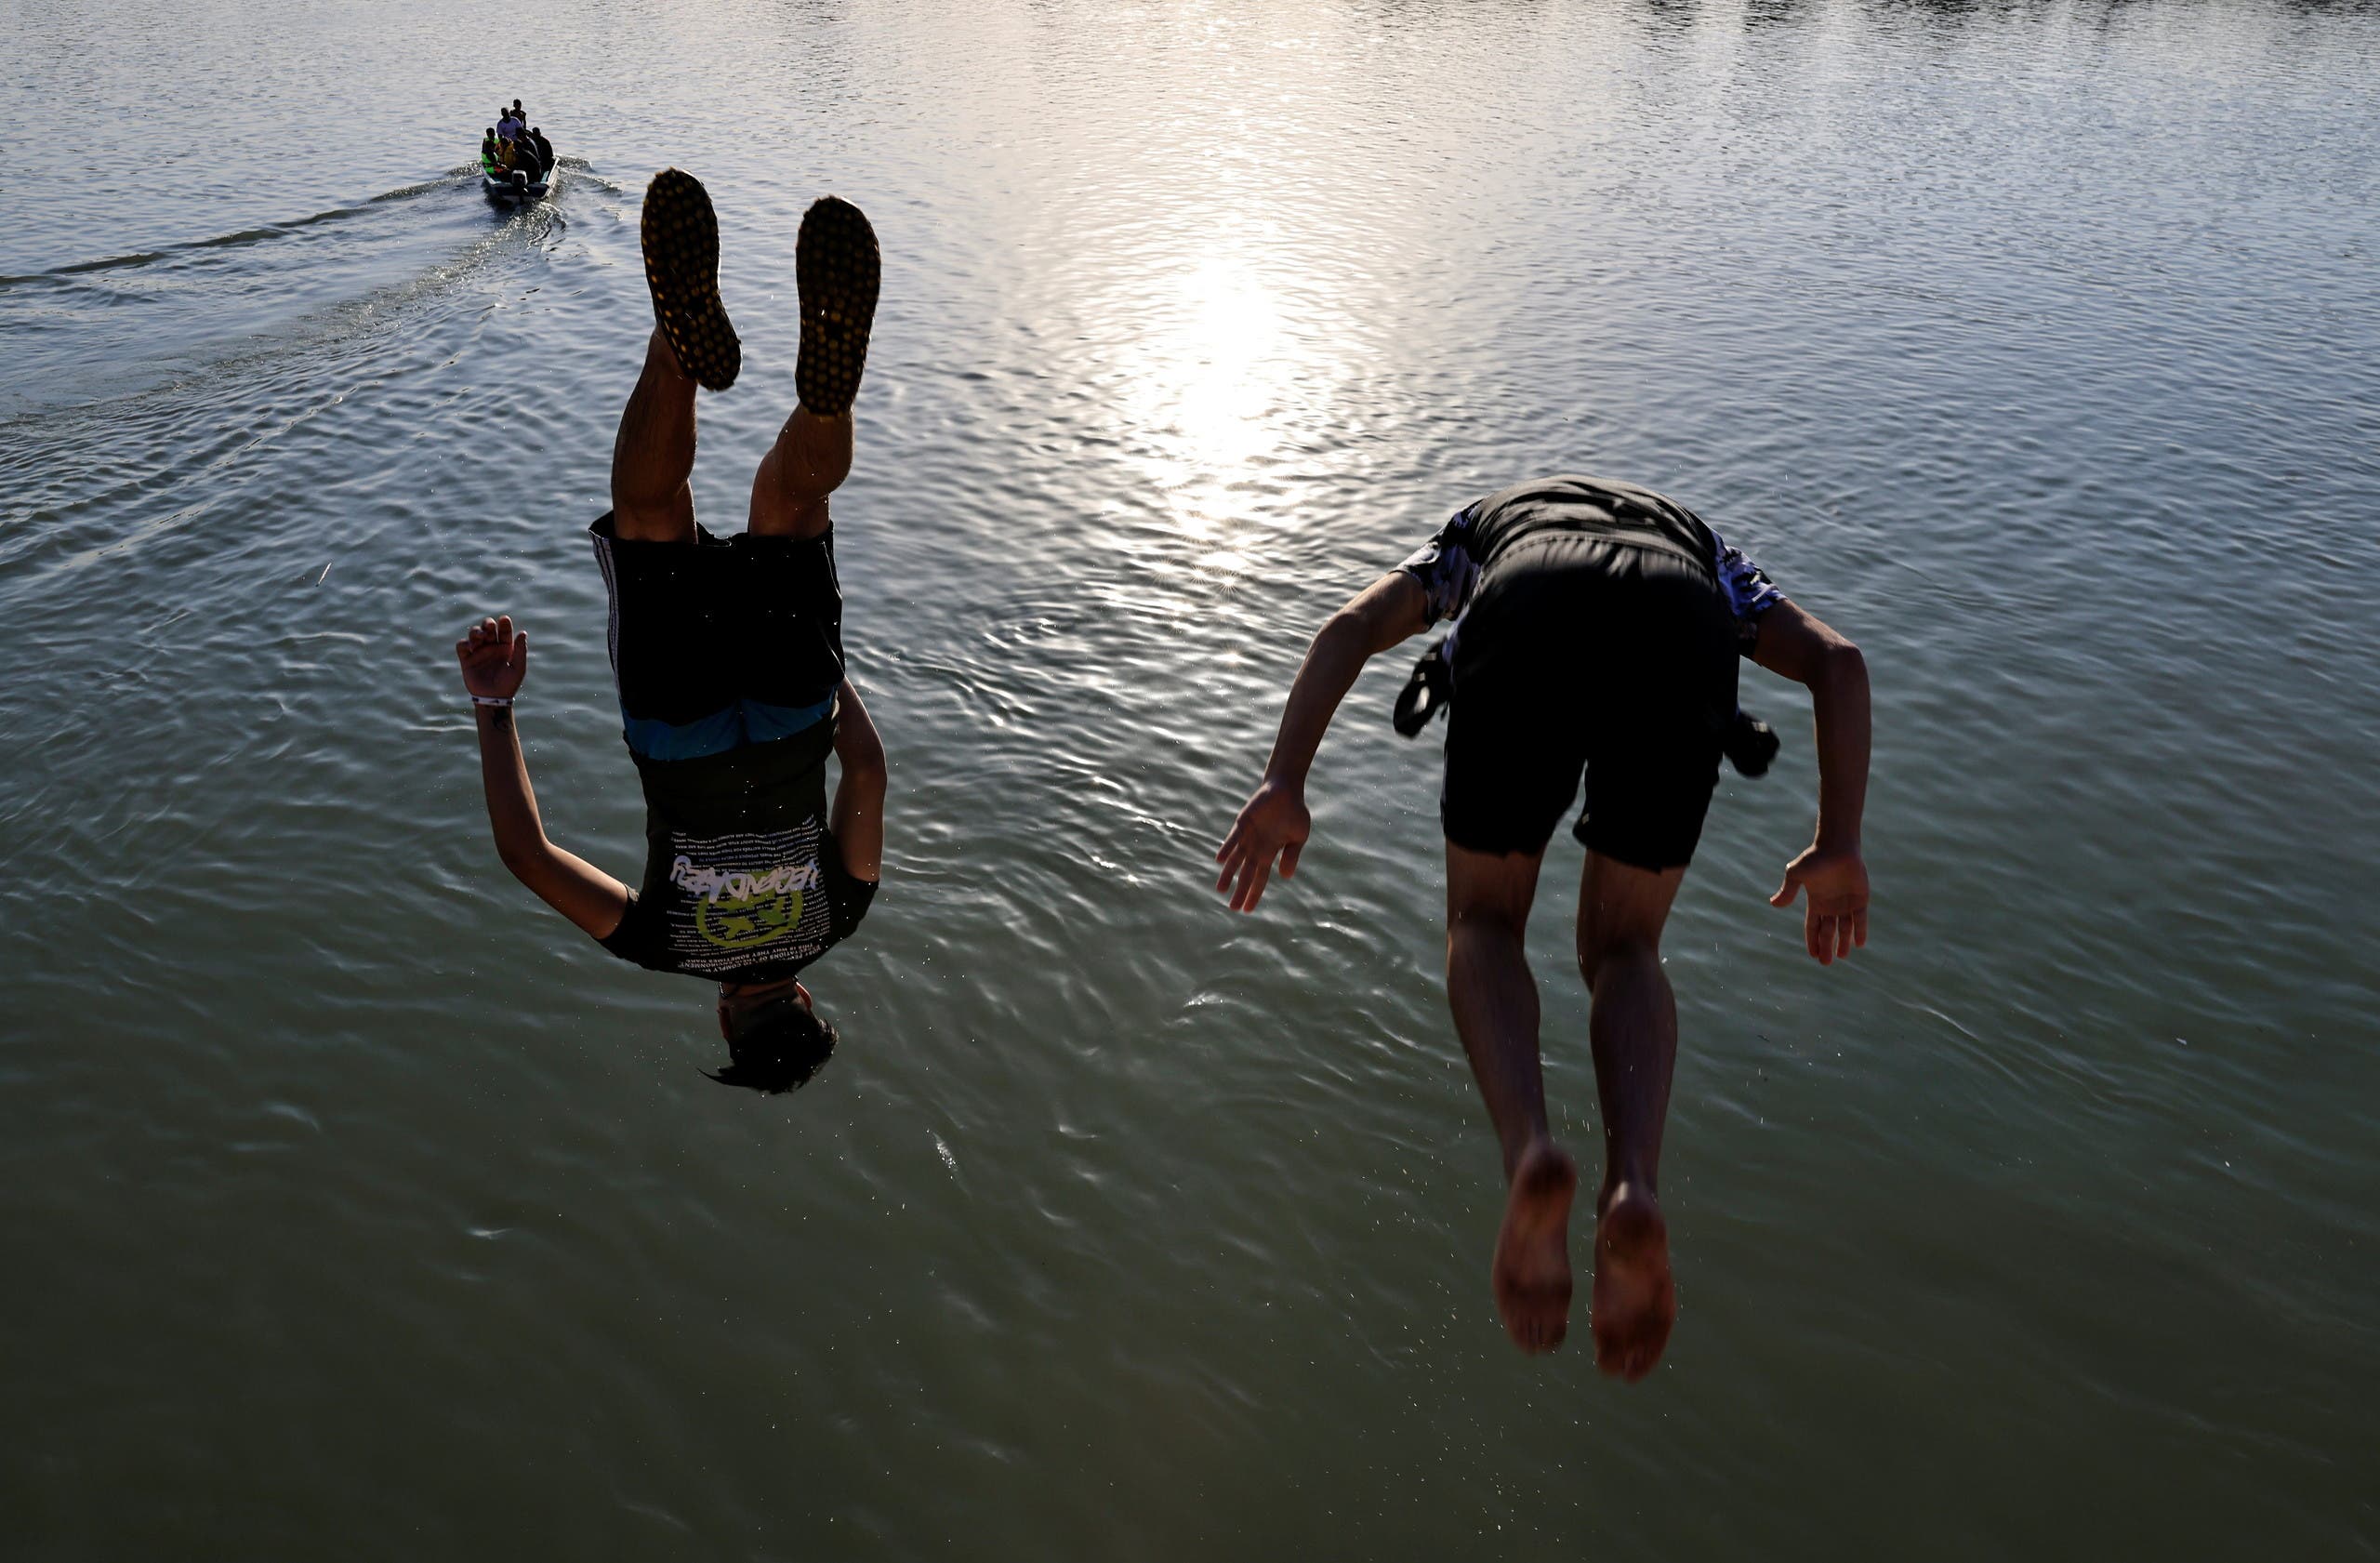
733, 727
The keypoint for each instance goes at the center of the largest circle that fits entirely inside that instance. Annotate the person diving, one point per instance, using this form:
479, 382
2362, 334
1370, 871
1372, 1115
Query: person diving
728, 654
1598, 627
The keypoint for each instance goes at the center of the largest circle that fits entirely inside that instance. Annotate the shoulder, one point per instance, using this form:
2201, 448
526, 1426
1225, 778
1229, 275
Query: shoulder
1447, 566
1750, 594
1749, 589
634, 939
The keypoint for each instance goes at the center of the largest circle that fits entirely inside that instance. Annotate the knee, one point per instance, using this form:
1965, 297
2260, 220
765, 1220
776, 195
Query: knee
1602, 952
1486, 919
664, 516
1483, 935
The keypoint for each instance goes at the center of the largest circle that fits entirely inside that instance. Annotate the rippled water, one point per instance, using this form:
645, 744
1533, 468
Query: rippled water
350, 1203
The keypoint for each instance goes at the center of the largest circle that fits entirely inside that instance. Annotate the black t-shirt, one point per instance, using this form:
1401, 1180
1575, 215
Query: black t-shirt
1450, 565
743, 880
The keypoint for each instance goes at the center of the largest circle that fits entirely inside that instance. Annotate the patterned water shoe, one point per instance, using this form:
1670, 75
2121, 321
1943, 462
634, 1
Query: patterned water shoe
838, 269
681, 267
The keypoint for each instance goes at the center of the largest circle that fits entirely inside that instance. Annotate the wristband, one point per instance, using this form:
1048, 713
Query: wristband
501, 701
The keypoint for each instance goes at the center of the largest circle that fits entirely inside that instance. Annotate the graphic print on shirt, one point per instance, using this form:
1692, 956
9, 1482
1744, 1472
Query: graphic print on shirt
746, 897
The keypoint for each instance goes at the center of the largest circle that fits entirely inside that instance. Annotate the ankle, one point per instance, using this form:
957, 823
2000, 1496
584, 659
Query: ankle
662, 359
1633, 1176
1528, 1155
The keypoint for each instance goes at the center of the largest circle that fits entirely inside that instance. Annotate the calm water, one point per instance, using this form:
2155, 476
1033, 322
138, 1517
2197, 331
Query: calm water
350, 1205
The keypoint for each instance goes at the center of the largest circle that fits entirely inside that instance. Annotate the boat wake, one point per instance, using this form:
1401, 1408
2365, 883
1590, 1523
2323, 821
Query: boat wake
243, 236
101, 329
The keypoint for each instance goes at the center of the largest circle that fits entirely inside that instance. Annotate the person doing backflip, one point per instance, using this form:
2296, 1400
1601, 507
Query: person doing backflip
728, 657
1598, 627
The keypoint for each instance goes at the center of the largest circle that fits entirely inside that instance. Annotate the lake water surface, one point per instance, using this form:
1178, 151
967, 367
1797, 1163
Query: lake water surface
350, 1205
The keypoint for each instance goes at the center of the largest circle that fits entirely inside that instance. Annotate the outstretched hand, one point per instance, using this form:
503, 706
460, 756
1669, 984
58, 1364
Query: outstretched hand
1274, 822
494, 658
1834, 920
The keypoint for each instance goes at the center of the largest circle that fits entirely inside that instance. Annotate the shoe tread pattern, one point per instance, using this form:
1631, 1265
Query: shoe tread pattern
681, 267
838, 269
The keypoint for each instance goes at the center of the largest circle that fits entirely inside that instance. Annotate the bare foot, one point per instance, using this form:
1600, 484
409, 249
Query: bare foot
1635, 1300
1532, 1268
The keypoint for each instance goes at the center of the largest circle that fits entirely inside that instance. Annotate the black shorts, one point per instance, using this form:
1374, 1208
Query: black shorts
722, 643
1581, 653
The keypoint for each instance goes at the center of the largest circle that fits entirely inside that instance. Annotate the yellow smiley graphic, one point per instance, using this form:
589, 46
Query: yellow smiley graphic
754, 921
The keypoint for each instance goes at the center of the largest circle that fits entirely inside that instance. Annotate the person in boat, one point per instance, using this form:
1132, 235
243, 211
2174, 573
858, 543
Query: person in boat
507, 126
491, 151
728, 657
1597, 627
545, 150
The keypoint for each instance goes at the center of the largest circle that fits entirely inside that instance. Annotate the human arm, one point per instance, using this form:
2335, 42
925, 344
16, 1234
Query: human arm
1797, 645
1275, 820
856, 817
494, 658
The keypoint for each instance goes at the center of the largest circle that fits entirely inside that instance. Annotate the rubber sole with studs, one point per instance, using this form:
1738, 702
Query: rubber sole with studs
681, 267
838, 268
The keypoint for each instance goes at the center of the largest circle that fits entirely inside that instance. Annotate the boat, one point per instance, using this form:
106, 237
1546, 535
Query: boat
517, 188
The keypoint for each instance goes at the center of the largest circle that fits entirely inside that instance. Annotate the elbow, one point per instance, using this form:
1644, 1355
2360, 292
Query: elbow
1351, 634
1347, 625
1840, 666
522, 859
863, 761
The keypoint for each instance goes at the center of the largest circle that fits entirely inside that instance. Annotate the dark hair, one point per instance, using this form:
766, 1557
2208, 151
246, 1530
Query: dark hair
491, 130
780, 1052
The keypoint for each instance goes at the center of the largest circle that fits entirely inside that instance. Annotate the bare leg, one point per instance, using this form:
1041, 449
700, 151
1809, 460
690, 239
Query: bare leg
1621, 910
812, 458
653, 454
1495, 1012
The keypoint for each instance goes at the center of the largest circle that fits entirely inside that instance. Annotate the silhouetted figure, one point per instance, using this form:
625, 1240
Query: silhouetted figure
728, 657
1598, 627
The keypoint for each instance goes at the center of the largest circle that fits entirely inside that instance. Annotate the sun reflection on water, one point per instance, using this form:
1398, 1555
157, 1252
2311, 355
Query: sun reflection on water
1215, 375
